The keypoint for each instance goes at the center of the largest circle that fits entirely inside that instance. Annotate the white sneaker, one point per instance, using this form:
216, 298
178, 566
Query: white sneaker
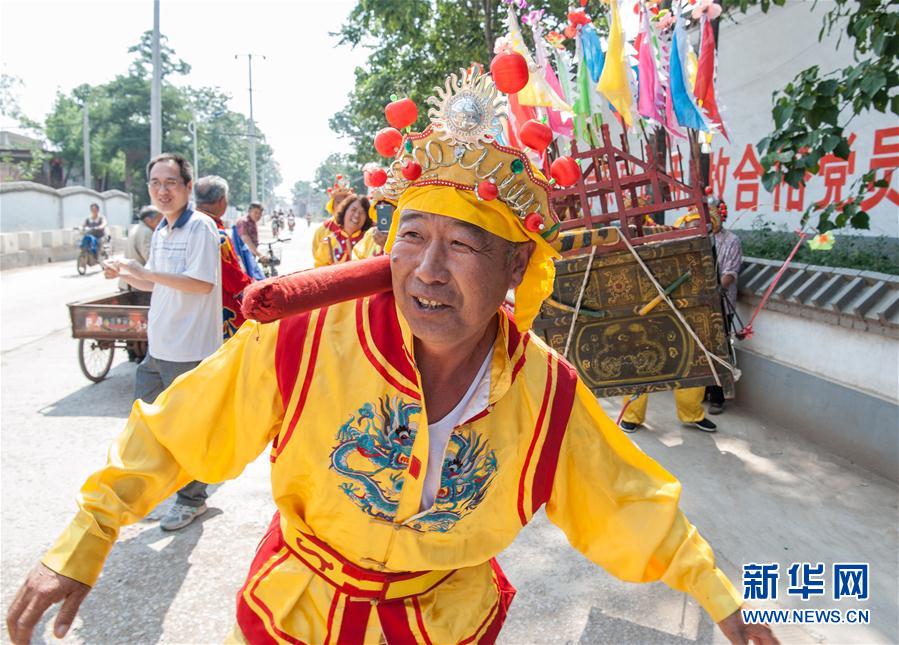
180, 516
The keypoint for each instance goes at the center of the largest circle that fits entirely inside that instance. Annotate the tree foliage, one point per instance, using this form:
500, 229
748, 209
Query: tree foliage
812, 112
119, 115
339, 164
306, 195
414, 44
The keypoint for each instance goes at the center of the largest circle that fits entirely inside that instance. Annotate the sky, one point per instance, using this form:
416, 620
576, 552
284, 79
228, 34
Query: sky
302, 82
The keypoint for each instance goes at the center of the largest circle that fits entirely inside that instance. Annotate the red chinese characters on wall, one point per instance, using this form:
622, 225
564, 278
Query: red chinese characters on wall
835, 176
885, 158
718, 164
747, 173
835, 172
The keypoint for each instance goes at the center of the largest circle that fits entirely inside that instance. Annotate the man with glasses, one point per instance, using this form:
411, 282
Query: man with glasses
185, 319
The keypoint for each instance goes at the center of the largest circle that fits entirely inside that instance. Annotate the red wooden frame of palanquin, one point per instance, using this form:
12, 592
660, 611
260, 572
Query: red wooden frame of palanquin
627, 176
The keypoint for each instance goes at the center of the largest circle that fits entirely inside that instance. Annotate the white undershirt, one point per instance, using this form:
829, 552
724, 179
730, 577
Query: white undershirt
473, 402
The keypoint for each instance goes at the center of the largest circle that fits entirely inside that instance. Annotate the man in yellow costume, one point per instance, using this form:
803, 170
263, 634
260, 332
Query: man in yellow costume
398, 481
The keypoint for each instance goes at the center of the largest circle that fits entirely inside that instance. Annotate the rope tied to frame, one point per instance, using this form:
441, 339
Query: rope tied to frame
710, 358
580, 297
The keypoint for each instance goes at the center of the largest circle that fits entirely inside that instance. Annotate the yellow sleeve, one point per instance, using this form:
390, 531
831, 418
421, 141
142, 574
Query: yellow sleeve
207, 426
321, 252
366, 246
620, 509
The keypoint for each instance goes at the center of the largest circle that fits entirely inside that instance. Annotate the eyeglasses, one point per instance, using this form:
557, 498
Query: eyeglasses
170, 184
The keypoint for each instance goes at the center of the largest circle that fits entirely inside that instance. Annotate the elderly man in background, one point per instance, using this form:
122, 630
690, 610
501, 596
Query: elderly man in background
212, 199
138, 245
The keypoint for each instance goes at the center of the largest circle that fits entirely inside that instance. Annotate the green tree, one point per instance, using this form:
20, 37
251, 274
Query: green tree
414, 44
339, 164
811, 113
306, 194
10, 89
120, 129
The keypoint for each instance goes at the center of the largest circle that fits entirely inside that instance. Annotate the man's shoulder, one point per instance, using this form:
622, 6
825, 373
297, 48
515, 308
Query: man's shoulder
200, 220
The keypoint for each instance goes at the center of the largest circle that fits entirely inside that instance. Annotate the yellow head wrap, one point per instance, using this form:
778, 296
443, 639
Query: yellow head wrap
683, 220
494, 217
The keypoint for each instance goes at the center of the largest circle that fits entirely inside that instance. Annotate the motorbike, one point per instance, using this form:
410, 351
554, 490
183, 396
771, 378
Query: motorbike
88, 258
291, 222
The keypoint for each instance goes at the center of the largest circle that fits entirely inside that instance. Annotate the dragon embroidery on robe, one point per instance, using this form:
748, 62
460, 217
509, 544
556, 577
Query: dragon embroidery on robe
373, 452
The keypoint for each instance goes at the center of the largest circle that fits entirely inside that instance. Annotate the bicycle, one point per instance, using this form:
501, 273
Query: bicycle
270, 267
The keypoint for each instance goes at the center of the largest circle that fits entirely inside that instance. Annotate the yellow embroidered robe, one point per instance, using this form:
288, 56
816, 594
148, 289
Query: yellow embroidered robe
349, 557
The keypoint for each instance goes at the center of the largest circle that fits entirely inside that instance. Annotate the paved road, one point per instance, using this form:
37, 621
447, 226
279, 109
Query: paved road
755, 491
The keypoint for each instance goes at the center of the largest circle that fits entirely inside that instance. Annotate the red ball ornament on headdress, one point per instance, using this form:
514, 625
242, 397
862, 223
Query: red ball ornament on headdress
565, 171
388, 142
401, 113
411, 170
536, 135
534, 222
578, 17
510, 72
377, 178
487, 190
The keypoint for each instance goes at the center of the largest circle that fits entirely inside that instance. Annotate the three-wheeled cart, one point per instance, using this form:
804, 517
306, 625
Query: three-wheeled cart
104, 324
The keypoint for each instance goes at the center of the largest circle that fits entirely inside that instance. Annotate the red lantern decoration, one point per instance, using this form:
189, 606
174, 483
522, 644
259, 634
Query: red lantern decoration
388, 142
401, 113
534, 222
377, 178
565, 171
510, 72
411, 170
577, 17
487, 190
536, 135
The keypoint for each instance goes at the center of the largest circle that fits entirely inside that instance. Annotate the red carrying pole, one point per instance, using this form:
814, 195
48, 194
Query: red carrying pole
296, 293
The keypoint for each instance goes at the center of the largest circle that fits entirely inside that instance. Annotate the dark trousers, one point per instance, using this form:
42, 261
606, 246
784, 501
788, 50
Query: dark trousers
715, 393
152, 377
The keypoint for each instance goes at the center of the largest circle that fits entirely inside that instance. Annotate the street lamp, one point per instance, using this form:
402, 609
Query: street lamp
156, 89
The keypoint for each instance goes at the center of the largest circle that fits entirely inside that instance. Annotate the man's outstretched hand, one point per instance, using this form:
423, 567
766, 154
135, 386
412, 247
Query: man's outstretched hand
739, 633
42, 589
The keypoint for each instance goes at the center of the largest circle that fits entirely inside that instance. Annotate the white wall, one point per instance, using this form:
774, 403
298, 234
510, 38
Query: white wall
26, 206
29, 207
759, 54
858, 359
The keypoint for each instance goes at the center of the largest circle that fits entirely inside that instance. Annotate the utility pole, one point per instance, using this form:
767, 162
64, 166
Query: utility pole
156, 89
263, 187
251, 128
193, 130
86, 141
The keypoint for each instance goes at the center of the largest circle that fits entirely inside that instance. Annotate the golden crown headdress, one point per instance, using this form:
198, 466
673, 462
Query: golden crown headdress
459, 149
